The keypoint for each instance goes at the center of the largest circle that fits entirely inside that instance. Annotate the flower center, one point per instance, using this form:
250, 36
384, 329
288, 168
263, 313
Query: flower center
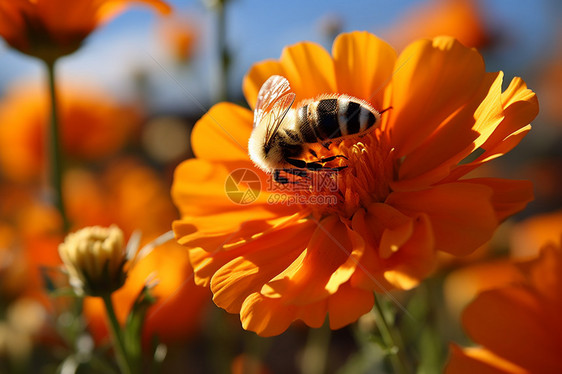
361, 177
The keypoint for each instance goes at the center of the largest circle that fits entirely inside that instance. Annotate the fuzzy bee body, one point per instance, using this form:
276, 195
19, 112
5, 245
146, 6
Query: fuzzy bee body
283, 136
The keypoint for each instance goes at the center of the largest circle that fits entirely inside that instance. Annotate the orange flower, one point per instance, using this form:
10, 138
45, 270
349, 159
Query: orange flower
179, 34
29, 235
523, 238
133, 197
458, 18
246, 364
464, 284
49, 29
518, 325
93, 126
400, 199
130, 195
528, 235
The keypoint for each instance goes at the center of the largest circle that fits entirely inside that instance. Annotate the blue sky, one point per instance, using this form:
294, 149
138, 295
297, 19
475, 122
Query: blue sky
258, 30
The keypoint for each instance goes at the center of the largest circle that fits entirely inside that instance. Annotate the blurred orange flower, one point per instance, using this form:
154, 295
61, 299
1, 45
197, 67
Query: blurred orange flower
29, 235
179, 35
460, 19
130, 195
464, 284
518, 325
400, 200
246, 364
134, 197
93, 126
524, 240
529, 234
49, 29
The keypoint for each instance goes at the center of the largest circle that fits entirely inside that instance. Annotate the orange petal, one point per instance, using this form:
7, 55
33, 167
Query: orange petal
209, 252
364, 65
479, 360
328, 261
433, 79
509, 196
410, 244
256, 77
370, 271
519, 108
265, 316
347, 305
416, 258
461, 214
222, 133
309, 69
454, 140
272, 316
510, 322
197, 180
266, 257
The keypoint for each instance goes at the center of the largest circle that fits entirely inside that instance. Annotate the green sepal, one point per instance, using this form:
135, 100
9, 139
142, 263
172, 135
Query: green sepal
132, 334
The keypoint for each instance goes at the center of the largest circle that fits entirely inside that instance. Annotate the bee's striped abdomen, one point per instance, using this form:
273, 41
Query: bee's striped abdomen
333, 118
354, 117
327, 124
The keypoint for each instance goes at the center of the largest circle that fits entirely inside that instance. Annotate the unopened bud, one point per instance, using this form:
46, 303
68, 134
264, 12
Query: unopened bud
95, 258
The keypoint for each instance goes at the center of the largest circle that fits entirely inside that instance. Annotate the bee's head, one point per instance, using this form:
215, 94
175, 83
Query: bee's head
261, 151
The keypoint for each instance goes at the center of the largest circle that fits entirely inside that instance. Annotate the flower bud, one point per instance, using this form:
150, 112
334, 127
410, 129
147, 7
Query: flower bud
95, 258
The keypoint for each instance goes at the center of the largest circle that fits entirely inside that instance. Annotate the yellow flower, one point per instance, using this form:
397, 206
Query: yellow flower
403, 196
95, 258
49, 29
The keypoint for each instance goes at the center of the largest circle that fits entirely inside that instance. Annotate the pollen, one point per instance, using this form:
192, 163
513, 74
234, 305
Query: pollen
356, 180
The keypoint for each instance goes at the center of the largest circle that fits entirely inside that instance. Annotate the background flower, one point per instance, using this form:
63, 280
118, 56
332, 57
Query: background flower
94, 126
461, 19
517, 324
52, 28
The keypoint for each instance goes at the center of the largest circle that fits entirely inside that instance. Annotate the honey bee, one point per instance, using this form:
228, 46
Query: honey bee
282, 136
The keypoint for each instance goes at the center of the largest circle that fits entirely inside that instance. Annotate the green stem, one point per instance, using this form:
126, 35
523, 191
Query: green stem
315, 353
55, 154
224, 55
391, 340
117, 336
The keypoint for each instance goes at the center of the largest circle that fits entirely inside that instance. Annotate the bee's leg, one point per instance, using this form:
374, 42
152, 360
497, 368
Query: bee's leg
326, 159
313, 166
278, 178
331, 158
384, 110
301, 164
327, 145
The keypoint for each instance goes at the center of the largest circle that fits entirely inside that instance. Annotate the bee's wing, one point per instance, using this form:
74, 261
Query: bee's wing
274, 117
270, 92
